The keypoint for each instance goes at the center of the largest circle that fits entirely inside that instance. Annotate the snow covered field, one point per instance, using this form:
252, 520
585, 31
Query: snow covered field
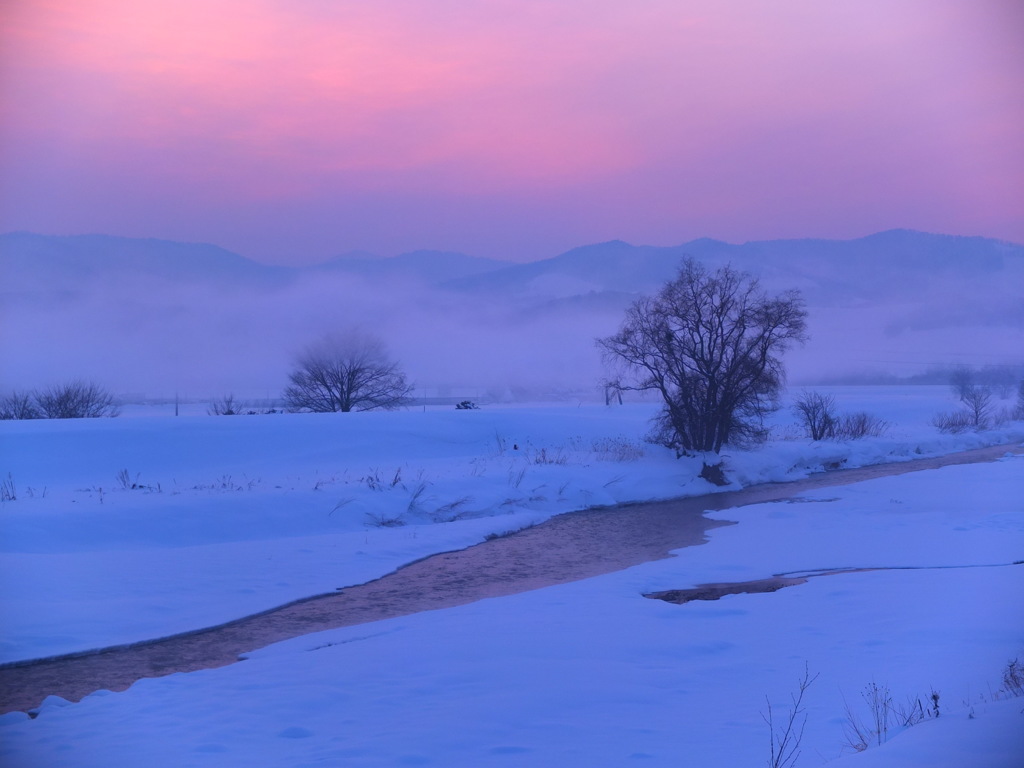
139, 527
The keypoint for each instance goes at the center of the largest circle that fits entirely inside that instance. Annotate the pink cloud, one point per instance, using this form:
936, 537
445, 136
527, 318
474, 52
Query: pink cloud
657, 122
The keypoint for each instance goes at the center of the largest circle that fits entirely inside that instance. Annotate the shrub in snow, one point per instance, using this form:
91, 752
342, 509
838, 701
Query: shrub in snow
225, 406
978, 402
952, 422
819, 420
857, 426
466, 405
976, 399
75, 400
976, 412
817, 414
19, 405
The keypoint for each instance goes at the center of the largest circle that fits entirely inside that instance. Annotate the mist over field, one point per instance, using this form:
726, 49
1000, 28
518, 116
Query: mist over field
155, 318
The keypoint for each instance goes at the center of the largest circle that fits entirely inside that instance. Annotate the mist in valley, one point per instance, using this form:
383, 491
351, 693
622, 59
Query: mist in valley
149, 319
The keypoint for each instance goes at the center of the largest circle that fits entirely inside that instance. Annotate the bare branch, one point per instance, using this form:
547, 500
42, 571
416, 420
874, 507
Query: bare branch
785, 736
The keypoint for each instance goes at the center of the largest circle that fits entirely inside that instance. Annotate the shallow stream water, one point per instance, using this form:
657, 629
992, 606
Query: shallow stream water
569, 547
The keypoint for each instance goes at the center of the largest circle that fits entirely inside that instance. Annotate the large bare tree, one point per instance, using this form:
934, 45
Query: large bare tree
345, 372
710, 344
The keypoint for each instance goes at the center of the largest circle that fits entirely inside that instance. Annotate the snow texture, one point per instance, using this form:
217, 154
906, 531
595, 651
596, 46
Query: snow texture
230, 516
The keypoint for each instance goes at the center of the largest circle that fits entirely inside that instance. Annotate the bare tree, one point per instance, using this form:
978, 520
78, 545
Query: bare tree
75, 400
19, 405
977, 400
709, 343
346, 372
224, 406
817, 413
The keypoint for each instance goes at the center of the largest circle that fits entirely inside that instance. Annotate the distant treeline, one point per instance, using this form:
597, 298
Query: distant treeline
998, 377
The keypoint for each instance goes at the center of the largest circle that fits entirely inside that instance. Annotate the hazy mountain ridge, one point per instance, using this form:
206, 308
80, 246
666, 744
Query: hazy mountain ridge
159, 316
46, 262
879, 266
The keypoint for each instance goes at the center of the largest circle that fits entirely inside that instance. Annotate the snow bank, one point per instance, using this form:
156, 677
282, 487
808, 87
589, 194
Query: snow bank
592, 673
129, 529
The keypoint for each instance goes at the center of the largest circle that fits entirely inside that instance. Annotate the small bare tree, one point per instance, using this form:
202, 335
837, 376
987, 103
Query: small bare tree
75, 400
17, 406
346, 372
224, 406
710, 344
785, 735
977, 400
817, 414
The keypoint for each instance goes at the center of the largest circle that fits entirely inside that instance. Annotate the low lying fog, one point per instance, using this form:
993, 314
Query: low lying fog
157, 339
154, 337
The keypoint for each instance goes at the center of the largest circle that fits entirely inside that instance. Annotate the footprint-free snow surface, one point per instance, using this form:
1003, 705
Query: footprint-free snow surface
585, 673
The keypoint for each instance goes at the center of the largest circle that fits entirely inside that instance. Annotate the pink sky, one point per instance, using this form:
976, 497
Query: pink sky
294, 130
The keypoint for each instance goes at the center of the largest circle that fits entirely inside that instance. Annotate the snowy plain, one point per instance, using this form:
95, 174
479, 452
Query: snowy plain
229, 516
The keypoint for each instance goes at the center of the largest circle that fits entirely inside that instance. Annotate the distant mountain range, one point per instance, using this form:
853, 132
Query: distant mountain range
885, 266
894, 301
30, 262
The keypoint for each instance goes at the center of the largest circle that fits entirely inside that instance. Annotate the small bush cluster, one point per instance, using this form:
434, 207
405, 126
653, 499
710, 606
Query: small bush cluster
76, 399
953, 422
819, 420
224, 406
885, 713
858, 425
977, 409
229, 406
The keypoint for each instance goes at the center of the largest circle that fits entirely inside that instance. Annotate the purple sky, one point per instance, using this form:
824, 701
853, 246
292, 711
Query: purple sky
294, 130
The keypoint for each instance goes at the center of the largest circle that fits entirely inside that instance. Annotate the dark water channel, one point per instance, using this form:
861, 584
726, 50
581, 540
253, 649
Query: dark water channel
569, 547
